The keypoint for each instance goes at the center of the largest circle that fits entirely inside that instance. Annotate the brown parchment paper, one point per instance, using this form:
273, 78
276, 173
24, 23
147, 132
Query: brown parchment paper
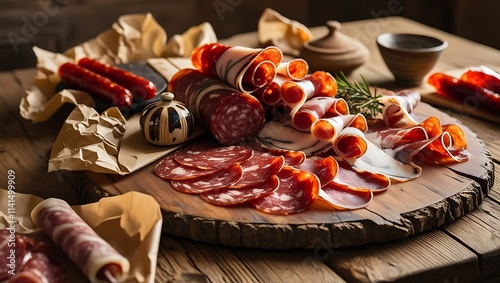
131, 223
89, 140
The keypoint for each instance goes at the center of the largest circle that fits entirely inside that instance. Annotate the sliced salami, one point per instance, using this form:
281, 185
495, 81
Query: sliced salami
230, 115
297, 191
227, 197
212, 156
325, 168
218, 180
169, 169
259, 167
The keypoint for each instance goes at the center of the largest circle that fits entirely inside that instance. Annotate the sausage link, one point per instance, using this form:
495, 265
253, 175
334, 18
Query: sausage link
95, 84
140, 87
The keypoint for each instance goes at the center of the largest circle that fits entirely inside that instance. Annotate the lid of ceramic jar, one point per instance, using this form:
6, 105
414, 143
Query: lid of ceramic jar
336, 42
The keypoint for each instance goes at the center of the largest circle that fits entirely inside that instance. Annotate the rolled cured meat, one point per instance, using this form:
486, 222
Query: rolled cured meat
295, 69
327, 129
95, 257
315, 108
230, 115
319, 83
355, 149
244, 68
396, 108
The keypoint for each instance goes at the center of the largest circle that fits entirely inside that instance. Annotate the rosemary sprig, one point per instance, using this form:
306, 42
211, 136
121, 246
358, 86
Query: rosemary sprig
358, 96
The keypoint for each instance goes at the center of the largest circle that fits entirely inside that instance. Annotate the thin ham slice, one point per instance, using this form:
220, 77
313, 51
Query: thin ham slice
244, 68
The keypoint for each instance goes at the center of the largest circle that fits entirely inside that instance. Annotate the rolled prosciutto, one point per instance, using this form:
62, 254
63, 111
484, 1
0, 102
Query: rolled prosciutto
230, 115
244, 68
95, 257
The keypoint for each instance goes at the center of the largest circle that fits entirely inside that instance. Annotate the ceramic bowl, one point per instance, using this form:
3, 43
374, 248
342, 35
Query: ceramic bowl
410, 57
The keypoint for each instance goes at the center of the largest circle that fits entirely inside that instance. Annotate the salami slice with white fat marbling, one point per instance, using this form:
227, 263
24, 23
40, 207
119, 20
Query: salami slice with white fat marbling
31, 261
297, 191
231, 116
259, 167
95, 257
212, 156
169, 169
216, 181
227, 197
325, 168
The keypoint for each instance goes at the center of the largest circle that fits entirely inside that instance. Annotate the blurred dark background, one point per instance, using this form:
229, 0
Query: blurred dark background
57, 25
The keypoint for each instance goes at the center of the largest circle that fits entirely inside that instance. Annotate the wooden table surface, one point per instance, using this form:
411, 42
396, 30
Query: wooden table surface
467, 250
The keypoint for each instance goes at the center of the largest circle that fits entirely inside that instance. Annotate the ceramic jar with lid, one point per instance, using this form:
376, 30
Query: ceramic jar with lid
336, 52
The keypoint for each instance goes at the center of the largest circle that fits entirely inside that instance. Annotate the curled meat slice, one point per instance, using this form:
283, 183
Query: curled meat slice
295, 69
315, 108
244, 68
327, 129
319, 83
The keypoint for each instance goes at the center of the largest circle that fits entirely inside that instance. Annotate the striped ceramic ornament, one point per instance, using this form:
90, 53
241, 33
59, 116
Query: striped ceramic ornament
166, 122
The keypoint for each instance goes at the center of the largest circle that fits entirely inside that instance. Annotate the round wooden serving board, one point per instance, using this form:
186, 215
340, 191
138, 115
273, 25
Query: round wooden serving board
440, 195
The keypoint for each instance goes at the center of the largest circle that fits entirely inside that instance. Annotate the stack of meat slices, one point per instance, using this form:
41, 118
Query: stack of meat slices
33, 261
230, 175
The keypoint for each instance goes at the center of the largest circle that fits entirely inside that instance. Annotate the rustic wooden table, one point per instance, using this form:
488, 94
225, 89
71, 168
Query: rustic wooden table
466, 250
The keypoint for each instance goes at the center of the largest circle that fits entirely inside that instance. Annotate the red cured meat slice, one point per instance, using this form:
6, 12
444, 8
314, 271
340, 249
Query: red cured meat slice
33, 261
269, 94
318, 107
366, 180
237, 117
212, 157
241, 67
170, 169
319, 83
219, 180
295, 69
325, 168
87, 250
44, 265
228, 197
230, 115
297, 191
343, 196
259, 167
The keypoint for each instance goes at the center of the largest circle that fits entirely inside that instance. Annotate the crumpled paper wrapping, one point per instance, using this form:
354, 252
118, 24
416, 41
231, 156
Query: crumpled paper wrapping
88, 140
131, 223
288, 35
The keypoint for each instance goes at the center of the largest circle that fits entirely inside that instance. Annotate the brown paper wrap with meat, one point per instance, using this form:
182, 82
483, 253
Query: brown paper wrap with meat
131, 223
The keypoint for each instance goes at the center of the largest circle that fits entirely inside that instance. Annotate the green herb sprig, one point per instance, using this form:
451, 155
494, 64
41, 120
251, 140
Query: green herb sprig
358, 96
